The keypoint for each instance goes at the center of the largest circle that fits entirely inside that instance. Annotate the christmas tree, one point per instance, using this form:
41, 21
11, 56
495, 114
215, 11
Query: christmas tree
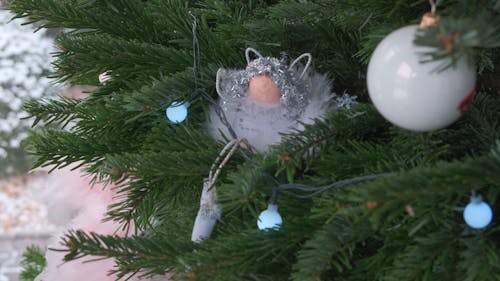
359, 198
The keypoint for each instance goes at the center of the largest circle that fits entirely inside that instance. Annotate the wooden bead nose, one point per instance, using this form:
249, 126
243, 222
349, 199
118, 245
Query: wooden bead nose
262, 89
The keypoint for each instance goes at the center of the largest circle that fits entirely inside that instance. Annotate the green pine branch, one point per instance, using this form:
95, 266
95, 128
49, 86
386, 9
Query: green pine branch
133, 253
59, 111
33, 263
461, 33
148, 22
331, 247
85, 55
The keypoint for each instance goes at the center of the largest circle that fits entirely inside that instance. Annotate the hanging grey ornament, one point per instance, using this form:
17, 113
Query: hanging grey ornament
208, 214
267, 98
209, 211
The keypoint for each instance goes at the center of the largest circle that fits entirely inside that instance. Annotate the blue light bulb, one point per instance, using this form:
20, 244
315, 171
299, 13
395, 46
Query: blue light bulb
270, 218
177, 112
478, 214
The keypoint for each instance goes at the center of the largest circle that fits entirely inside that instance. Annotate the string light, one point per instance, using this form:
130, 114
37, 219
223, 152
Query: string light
478, 214
270, 218
177, 112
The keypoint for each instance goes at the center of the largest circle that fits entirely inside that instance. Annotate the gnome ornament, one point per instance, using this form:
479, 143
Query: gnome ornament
267, 98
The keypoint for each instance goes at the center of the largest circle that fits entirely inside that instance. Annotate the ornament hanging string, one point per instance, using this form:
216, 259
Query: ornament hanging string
199, 90
196, 51
430, 19
434, 4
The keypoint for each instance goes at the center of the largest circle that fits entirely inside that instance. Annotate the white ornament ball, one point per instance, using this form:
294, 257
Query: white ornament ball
270, 218
262, 89
177, 112
478, 214
413, 95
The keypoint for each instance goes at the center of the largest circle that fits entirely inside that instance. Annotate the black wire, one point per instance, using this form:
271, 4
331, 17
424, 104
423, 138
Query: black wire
313, 191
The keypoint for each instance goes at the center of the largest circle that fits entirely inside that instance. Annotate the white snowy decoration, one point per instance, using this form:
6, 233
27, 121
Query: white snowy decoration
414, 95
268, 98
24, 63
346, 101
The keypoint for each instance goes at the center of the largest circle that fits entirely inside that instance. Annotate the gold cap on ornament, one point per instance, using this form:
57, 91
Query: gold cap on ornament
429, 19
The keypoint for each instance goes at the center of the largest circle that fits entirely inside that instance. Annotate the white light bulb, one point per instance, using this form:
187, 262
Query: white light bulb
270, 218
177, 112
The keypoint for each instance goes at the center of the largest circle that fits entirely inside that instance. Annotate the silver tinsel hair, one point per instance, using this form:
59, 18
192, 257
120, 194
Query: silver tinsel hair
294, 91
305, 95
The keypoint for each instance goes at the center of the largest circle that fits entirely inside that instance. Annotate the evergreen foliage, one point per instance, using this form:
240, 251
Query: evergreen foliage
33, 263
406, 225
